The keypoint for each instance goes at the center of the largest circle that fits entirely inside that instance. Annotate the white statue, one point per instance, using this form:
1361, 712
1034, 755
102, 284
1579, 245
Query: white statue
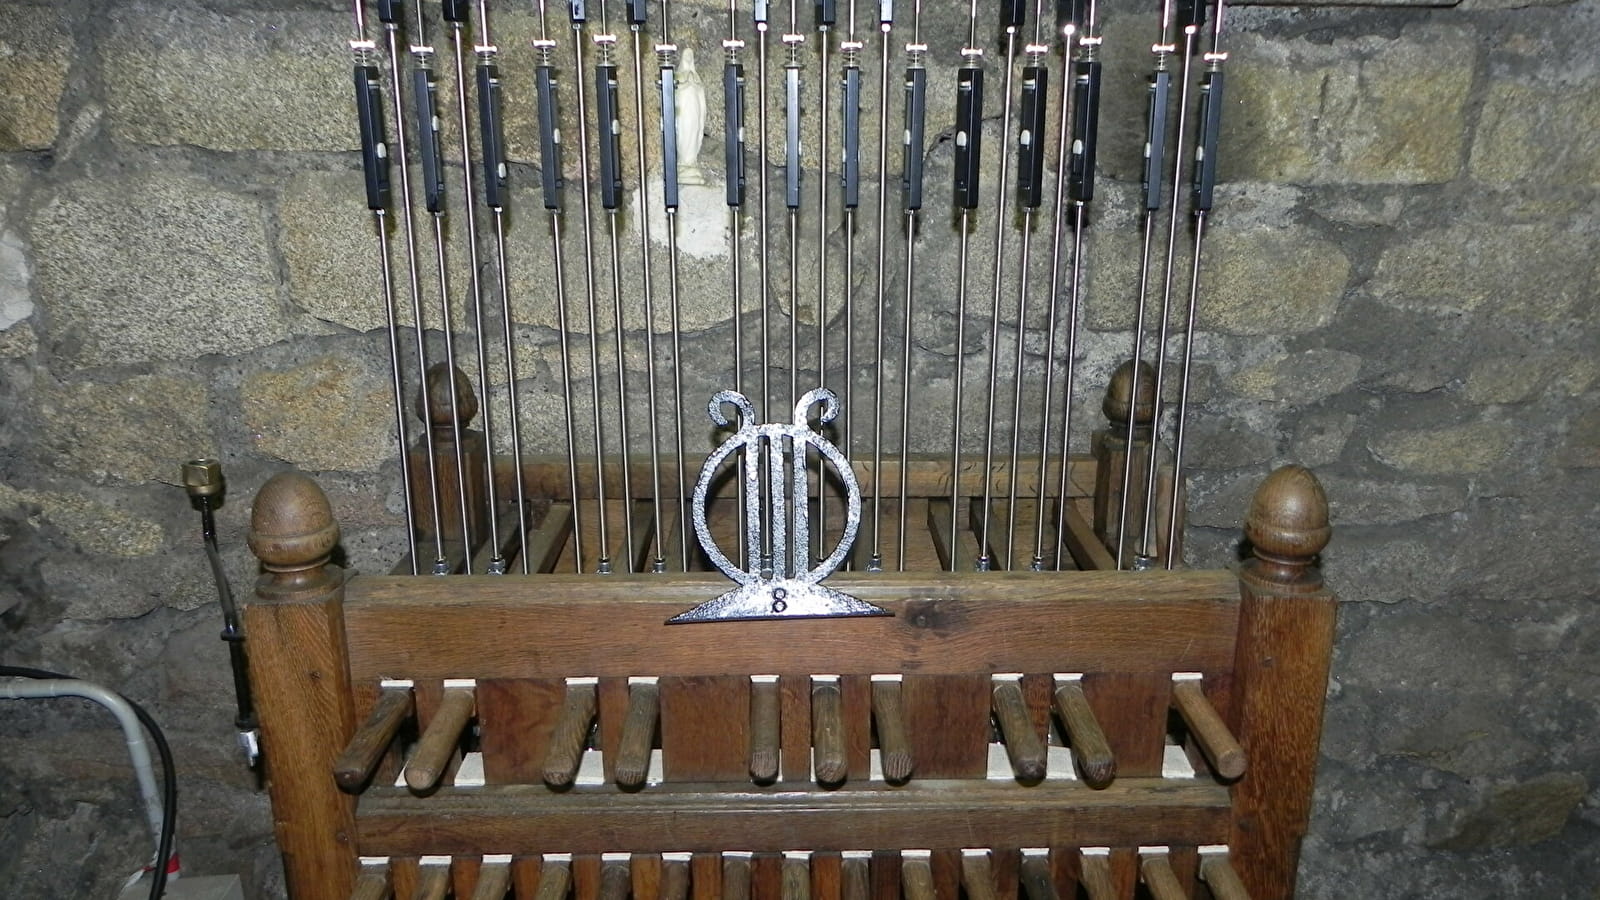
691, 100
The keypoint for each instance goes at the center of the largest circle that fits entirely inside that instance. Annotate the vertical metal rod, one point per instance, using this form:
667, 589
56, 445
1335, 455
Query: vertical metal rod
825, 20
391, 27
1154, 152
469, 206
579, 18
916, 91
647, 288
423, 95
1205, 172
552, 181
610, 137
760, 14
376, 165
968, 167
733, 141
1057, 229
1080, 187
793, 41
495, 196
1000, 227
667, 55
1147, 547
885, 25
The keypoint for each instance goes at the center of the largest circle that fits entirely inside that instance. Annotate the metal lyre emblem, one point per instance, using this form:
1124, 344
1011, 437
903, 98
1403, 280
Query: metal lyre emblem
782, 586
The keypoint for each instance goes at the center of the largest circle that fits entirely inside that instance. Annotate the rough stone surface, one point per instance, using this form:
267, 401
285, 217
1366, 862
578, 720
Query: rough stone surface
1271, 282
1452, 450
94, 527
1304, 377
332, 413
182, 273
35, 53
1385, 111
285, 74
137, 430
1519, 135
16, 301
1516, 815
1521, 277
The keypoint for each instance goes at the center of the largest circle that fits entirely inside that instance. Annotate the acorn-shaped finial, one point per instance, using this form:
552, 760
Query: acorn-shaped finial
291, 524
1287, 525
439, 413
1120, 397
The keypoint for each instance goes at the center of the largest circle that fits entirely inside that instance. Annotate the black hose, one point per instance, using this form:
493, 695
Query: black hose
169, 777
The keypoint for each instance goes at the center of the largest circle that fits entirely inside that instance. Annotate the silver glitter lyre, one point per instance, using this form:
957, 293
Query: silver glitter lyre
782, 587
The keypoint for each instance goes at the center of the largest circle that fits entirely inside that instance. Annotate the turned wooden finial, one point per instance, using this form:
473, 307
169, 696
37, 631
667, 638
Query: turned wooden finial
1287, 527
440, 413
291, 524
1120, 396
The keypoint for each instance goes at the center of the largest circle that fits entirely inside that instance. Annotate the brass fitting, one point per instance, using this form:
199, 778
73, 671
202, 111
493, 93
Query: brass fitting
202, 478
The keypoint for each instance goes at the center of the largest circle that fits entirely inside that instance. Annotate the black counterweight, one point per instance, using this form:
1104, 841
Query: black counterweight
607, 114
1085, 128
374, 146
551, 181
969, 136
1030, 139
733, 130
492, 135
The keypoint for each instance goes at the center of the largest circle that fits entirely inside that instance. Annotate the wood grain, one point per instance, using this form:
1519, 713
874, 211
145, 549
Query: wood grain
555, 881
366, 749
916, 875
516, 718
1095, 877
1155, 870
1133, 714
705, 728
894, 741
638, 734
1096, 762
530, 818
827, 734
485, 627
766, 733
433, 882
373, 884
570, 735
1023, 746
1219, 875
440, 740
494, 880
1216, 741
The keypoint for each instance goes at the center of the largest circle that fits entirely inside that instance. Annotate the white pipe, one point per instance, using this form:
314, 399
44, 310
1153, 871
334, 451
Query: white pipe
132, 730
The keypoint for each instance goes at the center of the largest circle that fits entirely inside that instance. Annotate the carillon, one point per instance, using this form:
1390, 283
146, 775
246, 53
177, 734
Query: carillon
667, 669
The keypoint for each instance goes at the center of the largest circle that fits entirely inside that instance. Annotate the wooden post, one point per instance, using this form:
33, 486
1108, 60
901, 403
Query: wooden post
443, 420
1111, 452
301, 680
1280, 679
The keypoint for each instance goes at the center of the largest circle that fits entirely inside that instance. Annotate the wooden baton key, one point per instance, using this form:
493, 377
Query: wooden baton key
764, 734
494, 877
894, 744
736, 874
1089, 745
373, 884
1218, 874
977, 875
1095, 866
555, 877
638, 732
1038, 883
1216, 741
441, 738
1155, 869
827, 730
571, 733
856, 875
916, 875
796, 875
355, 765
1023, 744
433, 878
675, 875
616, 881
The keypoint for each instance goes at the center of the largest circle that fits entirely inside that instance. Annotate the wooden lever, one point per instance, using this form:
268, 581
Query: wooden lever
1216, 741
1023, 745
638, 734
373, 884
360, 757
764, 734
1156, 870
856, 876
894, 744
494, 880
616, 882
433, 882
736, 875
916, 877
1038, 883
796, 876
827, 733
675, 876
977, 876
571, 734
555, 880
440, 739
1218, 874
1096, 876
1089, 745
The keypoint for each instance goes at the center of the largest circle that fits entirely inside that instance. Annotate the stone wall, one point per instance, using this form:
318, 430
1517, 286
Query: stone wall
1401, 293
